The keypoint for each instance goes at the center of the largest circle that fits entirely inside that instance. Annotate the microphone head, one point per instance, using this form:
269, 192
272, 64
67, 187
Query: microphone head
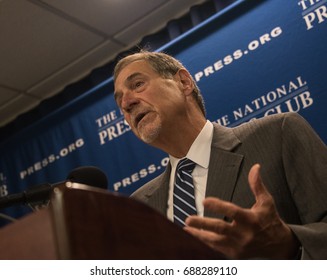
89, 175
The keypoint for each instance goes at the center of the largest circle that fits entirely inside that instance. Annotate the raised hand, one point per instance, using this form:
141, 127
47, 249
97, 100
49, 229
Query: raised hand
257, 232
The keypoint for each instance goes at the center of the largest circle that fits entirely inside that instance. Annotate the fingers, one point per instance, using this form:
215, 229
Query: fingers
210, 238
217, 234
216, 205
209, 224
225, 208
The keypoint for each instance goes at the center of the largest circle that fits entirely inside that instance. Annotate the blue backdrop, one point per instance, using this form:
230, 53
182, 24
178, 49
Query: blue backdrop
253, 59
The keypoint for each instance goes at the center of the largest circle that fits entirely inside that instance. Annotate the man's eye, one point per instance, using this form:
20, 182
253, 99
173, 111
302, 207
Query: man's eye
138, 84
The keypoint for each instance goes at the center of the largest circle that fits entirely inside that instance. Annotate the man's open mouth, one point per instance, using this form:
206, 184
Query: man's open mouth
139, 117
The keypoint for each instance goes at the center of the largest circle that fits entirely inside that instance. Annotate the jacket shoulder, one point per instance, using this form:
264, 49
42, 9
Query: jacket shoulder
270, 124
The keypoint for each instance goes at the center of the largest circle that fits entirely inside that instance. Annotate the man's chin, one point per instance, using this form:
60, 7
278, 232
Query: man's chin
148, 139
149, 136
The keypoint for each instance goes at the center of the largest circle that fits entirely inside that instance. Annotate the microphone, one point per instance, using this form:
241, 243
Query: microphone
88, 175
40, 194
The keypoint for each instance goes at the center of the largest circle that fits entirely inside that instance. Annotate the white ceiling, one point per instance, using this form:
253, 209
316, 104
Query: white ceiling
47, 44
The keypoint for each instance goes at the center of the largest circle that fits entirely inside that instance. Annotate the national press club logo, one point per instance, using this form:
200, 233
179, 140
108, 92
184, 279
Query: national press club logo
111, 125
292, 96
314, 12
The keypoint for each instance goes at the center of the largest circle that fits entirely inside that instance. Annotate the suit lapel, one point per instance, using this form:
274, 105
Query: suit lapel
157, 196
224, 165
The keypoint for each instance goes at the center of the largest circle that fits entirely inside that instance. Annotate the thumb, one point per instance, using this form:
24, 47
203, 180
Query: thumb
255, 182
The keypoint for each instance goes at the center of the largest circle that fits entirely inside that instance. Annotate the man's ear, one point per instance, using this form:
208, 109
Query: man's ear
186, 81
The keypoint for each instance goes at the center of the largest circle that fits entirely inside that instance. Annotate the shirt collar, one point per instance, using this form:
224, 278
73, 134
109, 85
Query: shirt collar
199, 151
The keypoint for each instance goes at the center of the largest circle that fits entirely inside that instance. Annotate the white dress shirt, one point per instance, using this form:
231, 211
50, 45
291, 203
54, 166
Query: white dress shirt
199, 153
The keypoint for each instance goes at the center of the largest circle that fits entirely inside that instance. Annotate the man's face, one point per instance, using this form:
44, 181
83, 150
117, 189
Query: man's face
149, 102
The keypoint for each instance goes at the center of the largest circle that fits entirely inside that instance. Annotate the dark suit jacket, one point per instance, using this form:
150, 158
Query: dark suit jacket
293, 167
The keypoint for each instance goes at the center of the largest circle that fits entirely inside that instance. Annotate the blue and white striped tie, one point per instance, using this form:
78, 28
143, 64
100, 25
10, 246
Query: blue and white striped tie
184, 199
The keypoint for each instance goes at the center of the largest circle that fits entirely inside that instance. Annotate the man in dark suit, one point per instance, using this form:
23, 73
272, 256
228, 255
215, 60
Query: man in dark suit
260, 188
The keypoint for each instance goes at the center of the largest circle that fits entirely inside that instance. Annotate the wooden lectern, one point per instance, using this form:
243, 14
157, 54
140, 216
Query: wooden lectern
84, 222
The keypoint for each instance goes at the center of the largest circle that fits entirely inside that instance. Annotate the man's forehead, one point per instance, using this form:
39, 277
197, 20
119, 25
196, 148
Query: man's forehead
133, 69
137, 65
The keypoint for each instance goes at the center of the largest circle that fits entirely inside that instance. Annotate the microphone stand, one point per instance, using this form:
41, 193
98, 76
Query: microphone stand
39, 194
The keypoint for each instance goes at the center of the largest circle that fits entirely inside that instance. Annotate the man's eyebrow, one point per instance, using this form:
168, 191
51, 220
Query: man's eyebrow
133, 76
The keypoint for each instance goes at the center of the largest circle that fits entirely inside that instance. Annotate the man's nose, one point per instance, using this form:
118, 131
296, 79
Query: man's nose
129, 100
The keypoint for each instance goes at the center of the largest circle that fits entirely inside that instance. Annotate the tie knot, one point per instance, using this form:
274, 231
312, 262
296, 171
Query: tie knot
186, 165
